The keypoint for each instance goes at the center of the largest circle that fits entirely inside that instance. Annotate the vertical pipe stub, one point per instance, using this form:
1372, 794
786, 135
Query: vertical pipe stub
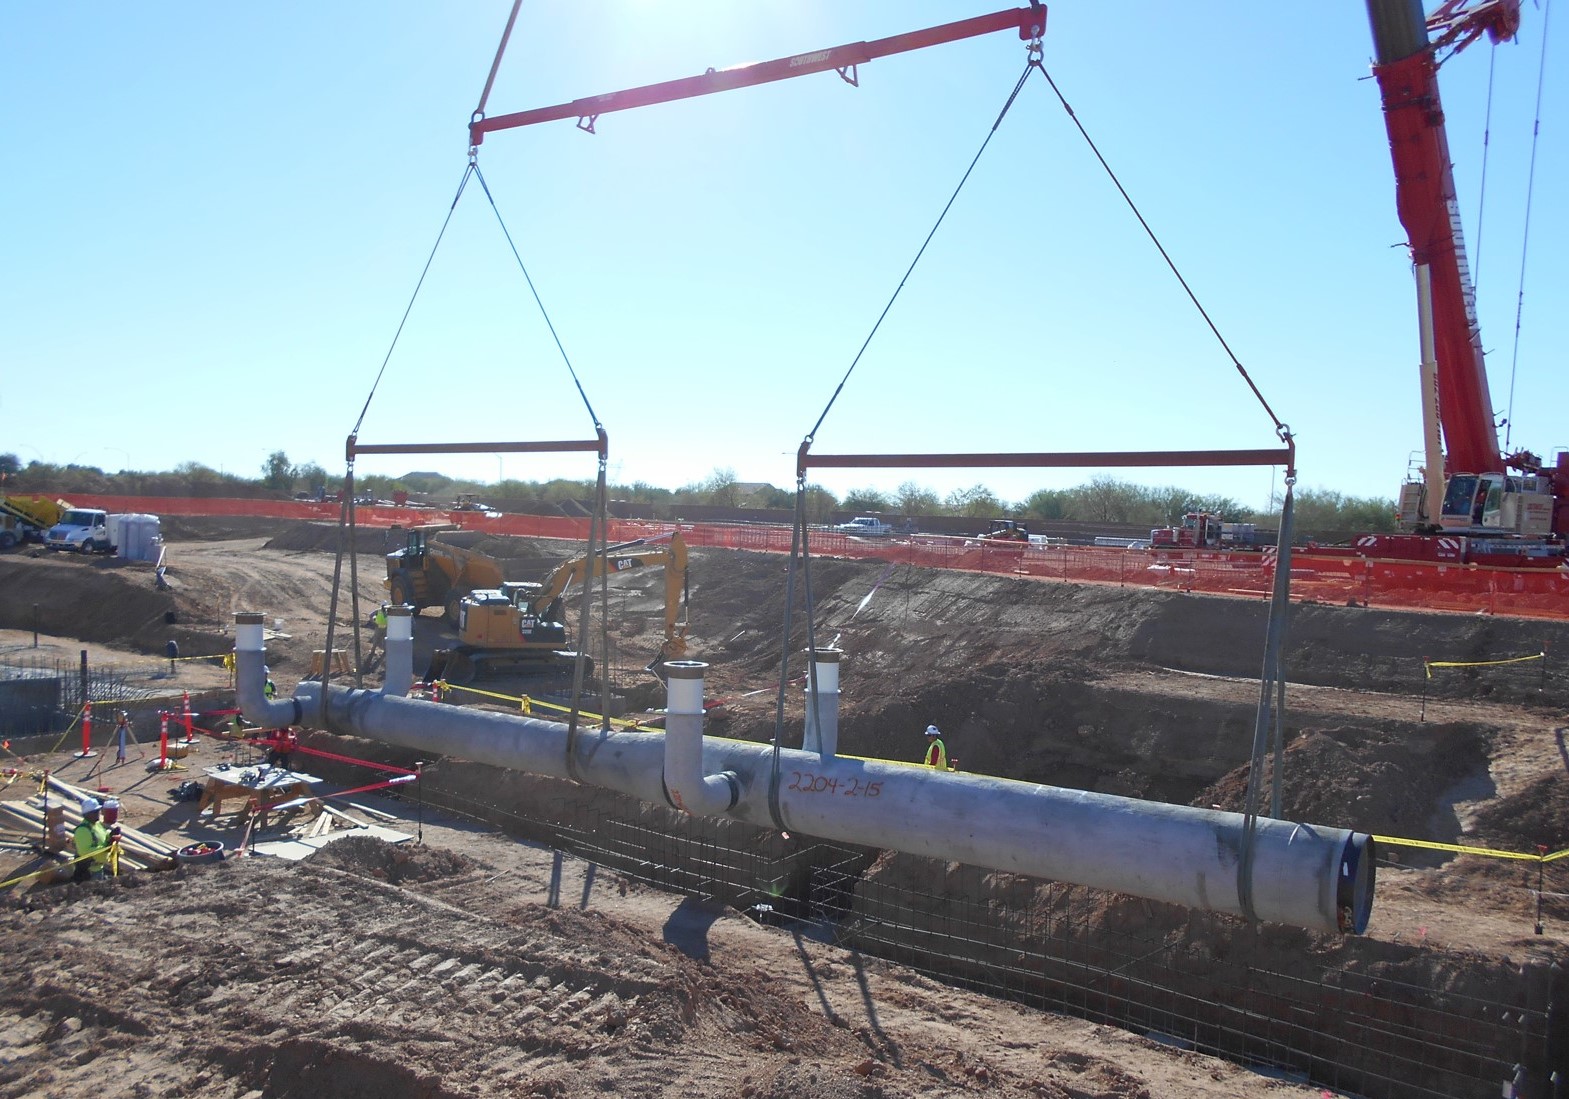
685, 686
687, 787
248, 629
821, 734
250, 676
399, 643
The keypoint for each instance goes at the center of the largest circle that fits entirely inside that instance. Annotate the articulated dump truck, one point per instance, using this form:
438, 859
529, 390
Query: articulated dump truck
28, 518
519, 627
429, 572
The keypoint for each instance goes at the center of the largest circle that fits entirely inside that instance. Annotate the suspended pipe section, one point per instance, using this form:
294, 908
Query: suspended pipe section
1302, 875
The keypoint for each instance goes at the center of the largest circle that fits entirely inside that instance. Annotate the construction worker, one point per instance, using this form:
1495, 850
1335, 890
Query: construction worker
269, 689
91, 839
936, 754
378, 637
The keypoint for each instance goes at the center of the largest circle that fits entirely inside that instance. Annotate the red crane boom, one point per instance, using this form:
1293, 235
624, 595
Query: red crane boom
1406, 69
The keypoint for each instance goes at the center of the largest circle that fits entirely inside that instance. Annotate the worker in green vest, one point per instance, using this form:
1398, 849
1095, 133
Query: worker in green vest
91, 840
936, 754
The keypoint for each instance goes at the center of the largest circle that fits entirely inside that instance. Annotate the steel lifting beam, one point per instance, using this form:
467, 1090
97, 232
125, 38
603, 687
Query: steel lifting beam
1285, 456
599, 446
1029, 22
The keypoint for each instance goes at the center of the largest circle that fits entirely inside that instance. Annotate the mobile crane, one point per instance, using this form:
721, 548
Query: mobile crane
1484, 513
519, 626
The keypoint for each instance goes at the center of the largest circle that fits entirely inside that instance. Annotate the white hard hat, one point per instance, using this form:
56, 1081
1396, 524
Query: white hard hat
90, 805
932, 730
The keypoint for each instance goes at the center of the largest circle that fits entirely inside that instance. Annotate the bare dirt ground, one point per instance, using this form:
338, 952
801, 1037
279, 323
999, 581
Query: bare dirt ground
441, 969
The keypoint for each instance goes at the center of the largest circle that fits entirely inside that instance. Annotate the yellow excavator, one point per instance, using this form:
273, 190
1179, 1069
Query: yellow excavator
428, 572
519, 628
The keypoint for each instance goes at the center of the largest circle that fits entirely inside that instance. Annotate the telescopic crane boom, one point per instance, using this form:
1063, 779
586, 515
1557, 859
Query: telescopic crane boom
1406, 69
1480, 497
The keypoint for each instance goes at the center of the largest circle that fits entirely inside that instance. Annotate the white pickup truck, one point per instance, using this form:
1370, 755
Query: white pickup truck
865, 526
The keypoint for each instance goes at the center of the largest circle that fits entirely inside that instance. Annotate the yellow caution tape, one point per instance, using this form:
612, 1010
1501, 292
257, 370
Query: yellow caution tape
528, 704
47, 869
1484, 852
1431, 664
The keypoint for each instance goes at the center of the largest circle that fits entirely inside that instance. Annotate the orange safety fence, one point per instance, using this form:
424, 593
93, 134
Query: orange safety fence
1344, 580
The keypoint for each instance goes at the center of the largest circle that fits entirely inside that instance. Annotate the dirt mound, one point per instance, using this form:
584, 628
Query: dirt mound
99, 599
325, 538
215, 528
395, 863
1380, 780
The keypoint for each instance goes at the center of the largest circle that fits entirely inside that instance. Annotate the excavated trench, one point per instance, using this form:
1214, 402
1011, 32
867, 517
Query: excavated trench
1119, 692
1210, 982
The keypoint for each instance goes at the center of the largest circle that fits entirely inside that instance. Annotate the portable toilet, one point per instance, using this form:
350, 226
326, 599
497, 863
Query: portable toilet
139, 538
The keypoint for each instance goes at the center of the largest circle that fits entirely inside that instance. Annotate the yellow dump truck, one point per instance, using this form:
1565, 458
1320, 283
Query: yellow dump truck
28, 518
428, 572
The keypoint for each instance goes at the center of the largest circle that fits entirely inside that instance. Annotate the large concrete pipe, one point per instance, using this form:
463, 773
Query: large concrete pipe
1303, 875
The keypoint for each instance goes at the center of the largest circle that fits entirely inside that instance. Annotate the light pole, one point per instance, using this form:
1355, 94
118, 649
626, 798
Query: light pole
501, 474
125, 456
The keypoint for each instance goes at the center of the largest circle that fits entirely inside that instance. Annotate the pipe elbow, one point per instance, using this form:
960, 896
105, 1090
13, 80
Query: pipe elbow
250, 678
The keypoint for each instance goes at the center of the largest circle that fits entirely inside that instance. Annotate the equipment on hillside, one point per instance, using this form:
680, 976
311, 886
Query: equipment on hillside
1485, 514
1006, 530
519, 626
1204, 530
28, 518
428, 572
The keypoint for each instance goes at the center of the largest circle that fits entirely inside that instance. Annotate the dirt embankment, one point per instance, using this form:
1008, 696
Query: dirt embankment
274, 978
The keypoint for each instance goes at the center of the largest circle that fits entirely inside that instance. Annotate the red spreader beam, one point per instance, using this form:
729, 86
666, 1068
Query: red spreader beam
1064, 459
355, 448
1029, 22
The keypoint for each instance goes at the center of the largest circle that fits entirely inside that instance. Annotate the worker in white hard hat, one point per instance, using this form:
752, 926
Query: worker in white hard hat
269, 688
91, 839
936, 754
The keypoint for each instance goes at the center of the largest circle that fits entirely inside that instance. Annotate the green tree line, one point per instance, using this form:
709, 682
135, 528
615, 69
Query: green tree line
1100, 500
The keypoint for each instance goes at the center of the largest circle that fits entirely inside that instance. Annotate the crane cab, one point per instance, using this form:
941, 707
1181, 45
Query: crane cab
1513, 505
504, 617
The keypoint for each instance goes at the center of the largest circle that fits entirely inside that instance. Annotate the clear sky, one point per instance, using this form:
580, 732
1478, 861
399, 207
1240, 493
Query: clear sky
216, 215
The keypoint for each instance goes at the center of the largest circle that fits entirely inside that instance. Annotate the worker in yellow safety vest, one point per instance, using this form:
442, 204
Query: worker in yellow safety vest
936, 754
91, 840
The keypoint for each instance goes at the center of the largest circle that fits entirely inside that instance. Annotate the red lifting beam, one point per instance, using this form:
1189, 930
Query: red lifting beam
1068, 459
1030, 23
554, 447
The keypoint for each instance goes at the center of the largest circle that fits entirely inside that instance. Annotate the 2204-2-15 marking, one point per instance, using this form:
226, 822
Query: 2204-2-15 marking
808, 783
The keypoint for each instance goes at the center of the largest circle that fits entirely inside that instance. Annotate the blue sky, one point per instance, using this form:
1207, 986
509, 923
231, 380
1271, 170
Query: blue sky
217, 214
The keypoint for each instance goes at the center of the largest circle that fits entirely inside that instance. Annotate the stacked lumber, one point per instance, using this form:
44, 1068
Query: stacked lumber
138, 850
